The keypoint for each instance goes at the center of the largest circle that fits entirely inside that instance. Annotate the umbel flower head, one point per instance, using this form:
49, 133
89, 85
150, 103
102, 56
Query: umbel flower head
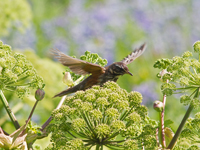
102, 116
16, 72
182, 71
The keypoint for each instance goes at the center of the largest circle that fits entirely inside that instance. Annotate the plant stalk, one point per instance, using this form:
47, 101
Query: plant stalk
9, 111
178, 132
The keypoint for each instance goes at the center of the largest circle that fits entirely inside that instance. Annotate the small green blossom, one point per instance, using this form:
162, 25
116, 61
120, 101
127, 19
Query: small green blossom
130, 145
75, 144
86, 106
135, 98
102, 101
184, 81
195, 103
122, 105
185, 99
102, 130
197, 115
196, 47
79, 94
118, 125
96, 114
111, 85
193, 147
21, 91
78, 123
166, 76
135, 117
162, 63
113, 97
90, 97
77, 103
112, 113
187, 54
133, 131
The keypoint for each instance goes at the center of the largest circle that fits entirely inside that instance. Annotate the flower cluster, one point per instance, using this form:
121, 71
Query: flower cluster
103, 116
183, 71
16, 72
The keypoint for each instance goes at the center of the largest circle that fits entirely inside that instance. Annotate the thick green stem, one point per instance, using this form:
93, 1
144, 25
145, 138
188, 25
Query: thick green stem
173, 141
187, 114
9, 111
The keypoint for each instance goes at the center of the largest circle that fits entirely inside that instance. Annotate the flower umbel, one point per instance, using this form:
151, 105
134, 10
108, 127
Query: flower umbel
17, 73
98, 121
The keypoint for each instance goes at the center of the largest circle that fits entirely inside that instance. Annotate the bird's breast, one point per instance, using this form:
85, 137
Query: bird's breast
107, 77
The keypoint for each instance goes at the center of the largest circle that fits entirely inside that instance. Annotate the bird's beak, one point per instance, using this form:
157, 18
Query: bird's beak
129, 73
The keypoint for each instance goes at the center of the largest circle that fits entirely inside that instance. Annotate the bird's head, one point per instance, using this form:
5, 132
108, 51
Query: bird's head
120, 68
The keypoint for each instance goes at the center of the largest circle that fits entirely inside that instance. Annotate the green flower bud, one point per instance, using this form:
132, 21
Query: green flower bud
102, 130
133, 130
185, 99
130, 145
197, 115
184, 81
158, 106
78, 123
196, 47
67, 79
75, 144
195, 103
118, 125
96, 114
102, 101
39, 94
90, 97
187, 54
77, 103
86, 106
135, 97
135, 117
112, 113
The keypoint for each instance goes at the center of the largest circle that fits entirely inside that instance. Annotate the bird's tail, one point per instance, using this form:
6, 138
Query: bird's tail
65, 92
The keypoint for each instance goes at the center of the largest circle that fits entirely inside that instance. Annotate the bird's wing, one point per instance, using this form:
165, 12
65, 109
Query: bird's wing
136, 53
76, 65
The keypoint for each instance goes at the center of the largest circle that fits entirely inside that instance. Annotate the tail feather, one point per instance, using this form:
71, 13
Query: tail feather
65, 92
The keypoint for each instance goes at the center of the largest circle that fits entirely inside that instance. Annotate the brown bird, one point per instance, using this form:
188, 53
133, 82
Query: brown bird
99, 75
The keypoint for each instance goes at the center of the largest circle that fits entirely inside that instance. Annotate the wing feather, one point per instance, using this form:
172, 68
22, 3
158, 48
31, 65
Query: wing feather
136, 53
76, 65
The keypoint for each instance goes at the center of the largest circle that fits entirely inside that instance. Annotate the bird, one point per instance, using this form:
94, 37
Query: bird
98, 75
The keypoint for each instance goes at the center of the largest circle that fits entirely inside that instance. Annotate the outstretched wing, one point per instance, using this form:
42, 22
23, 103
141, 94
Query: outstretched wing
76, 65
136, 53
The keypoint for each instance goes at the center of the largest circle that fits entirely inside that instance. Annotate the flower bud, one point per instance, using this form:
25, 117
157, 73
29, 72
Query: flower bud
67, 79
196, 47
39, 94
158, 106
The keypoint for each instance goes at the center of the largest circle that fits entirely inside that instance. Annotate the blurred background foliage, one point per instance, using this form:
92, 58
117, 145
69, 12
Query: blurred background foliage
111, 28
